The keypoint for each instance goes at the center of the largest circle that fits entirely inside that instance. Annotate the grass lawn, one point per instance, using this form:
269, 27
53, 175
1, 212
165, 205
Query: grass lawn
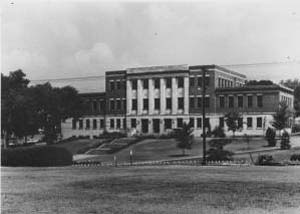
78, 145
163, 189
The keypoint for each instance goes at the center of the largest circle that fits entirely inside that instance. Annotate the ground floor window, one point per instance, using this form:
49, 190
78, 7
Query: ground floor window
80, 124
74, 124
192, 122
240, 122
87, 124
221, 122
179, 123
118, 123
133, 123
112, 123
249, 122
259, 122
168, 123
101, 123
94, 124
199, 122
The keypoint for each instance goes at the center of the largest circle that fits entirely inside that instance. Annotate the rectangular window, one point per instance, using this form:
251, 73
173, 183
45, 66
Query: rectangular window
222, 102
87, 124
168, 83
180, 103
94, 124
199, 81
240, 102
145, 84
249, 122
145, 104
192, 102
80, 124
74, 124
219, 82
156, 83
199, 102
101, 123
240, 122
206, 81
134, 84
118, 85
156, 103
207, 102
134, 104
95, 106
169, 103
199, 122
118, 123
192, 122
192, 81
102, 105
124, 123
250, 101
207, 123
231, 101
118, 104
179, 122
168, 123
124, 104
133, 123
180, 82
112, 105
259, 122
112, 85
259, 101
221, 122
112, 123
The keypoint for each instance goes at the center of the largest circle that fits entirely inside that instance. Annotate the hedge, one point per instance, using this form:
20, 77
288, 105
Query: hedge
36, 156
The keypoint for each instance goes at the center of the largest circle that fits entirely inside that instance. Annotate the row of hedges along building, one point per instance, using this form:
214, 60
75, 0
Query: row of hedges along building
154, 100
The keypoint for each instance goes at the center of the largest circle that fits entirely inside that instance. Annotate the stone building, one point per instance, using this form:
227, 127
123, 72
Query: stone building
157, 99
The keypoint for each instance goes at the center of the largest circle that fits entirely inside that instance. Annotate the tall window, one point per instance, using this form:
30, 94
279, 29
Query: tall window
168, 83
222, 102
180, 103
240, 102
156, 83
221, 122
207, 122
118, 104
124, 104
206, 81
134, 84
199, 102
168, 123
180, 82
199, 122
231, 101
133, 123
80, 124
95, 106
102, 105
207, 101
192, 122
134, 104
118, 123
145, 83
240, 122
192, 81
250, 101
87, 124
199, 81
219, 82
192, 102
259, 122
249, 122
179, 122
145, 104
124, 123
169, 103
259, 101
101, 123
112, 85
74, 124
156, 103
118, 85
112, 123
112, 104
94, 124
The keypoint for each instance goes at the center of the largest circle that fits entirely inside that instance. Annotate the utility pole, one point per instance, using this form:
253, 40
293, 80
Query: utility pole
203, 117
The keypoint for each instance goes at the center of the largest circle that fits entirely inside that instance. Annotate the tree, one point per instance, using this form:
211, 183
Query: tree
285, 141
231, 120
217, 152
218, 132
294, 84
260, 82
184, 137
281, 117
270, 136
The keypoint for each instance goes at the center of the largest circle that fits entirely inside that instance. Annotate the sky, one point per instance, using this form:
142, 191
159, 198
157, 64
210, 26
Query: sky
63, 39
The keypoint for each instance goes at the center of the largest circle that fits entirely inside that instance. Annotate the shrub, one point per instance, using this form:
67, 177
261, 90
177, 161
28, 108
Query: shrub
295, 157
112, 135
216, 151
36, 156
265, 160
218, 132
285, 141
270, 137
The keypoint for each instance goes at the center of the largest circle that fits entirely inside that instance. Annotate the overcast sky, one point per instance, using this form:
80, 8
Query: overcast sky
54, 39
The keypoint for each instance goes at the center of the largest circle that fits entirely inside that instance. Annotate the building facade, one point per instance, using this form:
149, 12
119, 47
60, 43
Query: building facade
154, 100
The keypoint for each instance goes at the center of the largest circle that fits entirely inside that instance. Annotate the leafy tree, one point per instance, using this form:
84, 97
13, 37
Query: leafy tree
231, 120
184, 137
260, 82
294, 84
285, 141
218, 132
270, 136
282, 116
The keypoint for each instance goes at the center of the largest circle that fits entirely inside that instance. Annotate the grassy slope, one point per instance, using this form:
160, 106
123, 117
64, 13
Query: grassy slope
77, 145
151, 190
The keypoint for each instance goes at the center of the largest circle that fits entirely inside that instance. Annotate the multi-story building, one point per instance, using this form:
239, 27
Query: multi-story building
155, 100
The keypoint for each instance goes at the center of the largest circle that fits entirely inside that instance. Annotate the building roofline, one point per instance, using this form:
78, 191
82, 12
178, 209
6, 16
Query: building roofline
256, 87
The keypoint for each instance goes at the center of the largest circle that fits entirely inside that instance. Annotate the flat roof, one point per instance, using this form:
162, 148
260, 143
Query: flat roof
256, 87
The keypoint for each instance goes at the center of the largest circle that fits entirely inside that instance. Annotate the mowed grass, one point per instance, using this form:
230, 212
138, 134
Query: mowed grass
161, 189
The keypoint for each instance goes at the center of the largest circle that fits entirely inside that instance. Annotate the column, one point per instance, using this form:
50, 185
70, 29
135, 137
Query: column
174, 95
186, 95
161, 126
162, 96
151, 96
128, 96
139, 97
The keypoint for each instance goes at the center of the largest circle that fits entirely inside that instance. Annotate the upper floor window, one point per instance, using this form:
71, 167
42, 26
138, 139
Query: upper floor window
112, 105
134, 84
192, 102
145, 84
156, 103
192, 81
250, 101
222, 102
168, 83
207, 102
112, 85
87, 124
168, 103
80, 124
259, 122
134, 104
231, 102
101, 123
259, 101
180, 103
156, 83
94, 124
206, 81
118, 104
95, 106
199, 102
199, 80
145, 104
118, 85
102, 105
240, 101
180, 82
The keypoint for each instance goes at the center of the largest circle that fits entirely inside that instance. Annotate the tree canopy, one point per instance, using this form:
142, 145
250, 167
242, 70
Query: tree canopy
259, 82
294, 84
231, 119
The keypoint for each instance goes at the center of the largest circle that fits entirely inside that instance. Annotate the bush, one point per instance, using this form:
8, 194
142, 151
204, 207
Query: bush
285, 141
266, 160
218, 132
270, 137
36, 156
295, 157
216, 151
296, 128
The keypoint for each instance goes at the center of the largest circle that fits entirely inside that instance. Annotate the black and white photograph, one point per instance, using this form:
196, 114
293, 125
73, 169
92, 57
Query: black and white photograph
141, 107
